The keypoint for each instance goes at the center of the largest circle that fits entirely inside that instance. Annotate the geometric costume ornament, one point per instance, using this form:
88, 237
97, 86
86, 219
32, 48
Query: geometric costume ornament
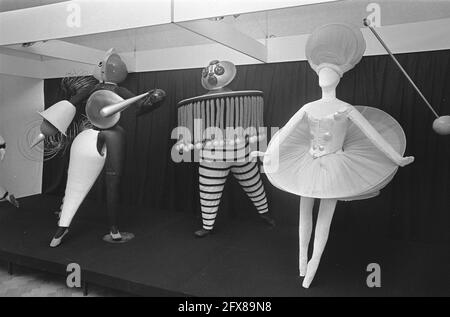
85, 166
60, 115
221, 125
57, 118
221, 118
102, 147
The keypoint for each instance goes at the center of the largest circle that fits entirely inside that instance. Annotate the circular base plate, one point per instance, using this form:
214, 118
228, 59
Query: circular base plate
126, 236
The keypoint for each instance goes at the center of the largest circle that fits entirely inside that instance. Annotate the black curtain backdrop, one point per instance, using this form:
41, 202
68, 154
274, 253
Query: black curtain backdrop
415, 206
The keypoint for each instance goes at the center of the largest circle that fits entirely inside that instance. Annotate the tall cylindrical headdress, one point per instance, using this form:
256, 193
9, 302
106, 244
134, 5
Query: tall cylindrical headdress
338, 46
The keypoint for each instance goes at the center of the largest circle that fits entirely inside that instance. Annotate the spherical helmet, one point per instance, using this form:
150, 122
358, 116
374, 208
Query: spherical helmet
111, 68
218, 74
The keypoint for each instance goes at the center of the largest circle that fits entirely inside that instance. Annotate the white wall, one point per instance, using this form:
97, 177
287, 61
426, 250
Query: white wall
20, 99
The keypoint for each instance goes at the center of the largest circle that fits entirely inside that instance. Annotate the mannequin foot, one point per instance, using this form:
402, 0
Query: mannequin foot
202, 233
303, 264
267, 218
59, 235
311, 270
115, 234
13, 201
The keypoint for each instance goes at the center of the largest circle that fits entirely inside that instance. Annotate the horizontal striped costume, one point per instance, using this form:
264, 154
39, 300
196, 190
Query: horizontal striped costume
213, 176
208, 119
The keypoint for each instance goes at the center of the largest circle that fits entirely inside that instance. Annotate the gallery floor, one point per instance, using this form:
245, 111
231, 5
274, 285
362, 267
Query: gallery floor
243, 257
28, 282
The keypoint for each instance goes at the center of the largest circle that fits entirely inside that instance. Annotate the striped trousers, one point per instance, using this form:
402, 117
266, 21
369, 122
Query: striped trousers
212, 178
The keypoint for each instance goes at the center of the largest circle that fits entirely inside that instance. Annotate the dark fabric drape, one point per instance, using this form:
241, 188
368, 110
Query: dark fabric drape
415, 206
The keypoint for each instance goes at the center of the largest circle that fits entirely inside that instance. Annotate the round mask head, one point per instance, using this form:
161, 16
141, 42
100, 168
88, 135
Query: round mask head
328, 77
111, 68
218, 74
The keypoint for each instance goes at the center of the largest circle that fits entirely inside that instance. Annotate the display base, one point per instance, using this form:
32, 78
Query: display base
126, 237
244, 257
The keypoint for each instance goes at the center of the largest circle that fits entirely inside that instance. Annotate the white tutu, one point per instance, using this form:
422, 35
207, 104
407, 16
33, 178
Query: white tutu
357, 170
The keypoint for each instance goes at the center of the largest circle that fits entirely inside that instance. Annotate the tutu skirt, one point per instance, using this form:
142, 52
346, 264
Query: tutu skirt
358, 171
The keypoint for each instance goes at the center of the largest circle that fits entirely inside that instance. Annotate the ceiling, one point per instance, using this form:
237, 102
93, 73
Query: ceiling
278, 24
141, 39
9, 5
303, 19
275, 23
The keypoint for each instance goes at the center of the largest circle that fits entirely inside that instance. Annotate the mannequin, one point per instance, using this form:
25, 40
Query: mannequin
101, 146
4, 195
331, 150
224, 149
91, 151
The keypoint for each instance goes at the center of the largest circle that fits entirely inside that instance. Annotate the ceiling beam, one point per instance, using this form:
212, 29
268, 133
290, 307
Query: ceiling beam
226, 34
62, 50
19, 66
199, 9
80, 17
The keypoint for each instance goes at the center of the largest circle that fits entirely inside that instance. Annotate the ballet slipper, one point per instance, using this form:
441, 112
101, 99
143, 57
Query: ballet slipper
311, 270
59, 235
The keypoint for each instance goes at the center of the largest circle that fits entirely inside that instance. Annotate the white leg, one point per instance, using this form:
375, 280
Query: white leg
304, 232
84, 167
324, 219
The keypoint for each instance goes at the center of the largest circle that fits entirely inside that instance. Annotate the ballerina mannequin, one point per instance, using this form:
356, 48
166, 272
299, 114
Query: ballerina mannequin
4, 195
331, 150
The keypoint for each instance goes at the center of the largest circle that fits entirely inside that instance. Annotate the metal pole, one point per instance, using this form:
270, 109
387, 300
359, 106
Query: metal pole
366, 23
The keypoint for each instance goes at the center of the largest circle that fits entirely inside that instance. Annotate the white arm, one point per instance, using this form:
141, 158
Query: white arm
373, 135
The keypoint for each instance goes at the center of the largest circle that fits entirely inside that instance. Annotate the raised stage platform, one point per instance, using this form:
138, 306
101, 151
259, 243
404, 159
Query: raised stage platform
243, 258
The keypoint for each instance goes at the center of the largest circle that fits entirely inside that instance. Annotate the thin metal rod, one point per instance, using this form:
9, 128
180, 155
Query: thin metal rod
366, 23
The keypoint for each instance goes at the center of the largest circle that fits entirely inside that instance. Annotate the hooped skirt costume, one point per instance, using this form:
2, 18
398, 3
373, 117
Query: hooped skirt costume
332, 157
